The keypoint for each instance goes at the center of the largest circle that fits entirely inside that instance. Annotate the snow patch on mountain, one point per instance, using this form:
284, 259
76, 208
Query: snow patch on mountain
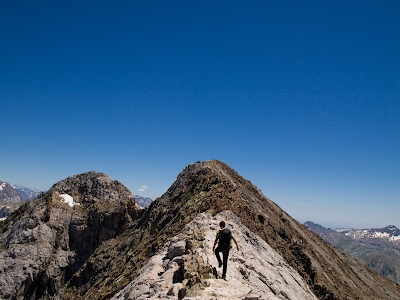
389, 235
2, 186
394, 238
69, 200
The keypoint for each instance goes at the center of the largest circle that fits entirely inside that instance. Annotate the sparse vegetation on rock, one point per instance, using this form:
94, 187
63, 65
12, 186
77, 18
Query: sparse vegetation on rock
106, 240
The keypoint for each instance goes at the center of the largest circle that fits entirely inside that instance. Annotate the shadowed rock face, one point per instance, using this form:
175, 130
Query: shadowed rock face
46, 241
212, 187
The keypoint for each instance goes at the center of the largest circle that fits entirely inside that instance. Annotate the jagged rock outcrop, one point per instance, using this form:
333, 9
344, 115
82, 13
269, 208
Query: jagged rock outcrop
212, 187
47, 240
186, 267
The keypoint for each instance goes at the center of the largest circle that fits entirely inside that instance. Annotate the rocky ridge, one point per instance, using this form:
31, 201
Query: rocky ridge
186, 267
212, 187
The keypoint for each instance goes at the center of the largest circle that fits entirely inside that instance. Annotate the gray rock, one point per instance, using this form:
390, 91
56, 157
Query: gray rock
48, 240
178, 260
176, 249
266, 270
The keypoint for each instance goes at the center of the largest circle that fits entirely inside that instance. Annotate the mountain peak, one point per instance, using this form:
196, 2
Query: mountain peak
49, 232
8, 194
391, 227
106, 244
212, 187
94, 185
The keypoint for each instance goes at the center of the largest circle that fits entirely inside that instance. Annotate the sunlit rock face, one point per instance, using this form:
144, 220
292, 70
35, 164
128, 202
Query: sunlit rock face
48, 239
187, 267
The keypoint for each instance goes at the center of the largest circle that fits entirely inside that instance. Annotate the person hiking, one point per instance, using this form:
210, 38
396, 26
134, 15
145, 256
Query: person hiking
224, 238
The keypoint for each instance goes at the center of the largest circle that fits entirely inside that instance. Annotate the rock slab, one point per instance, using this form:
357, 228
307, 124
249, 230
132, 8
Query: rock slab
254, 272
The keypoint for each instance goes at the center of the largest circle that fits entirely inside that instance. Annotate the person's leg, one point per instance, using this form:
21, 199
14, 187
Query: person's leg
225, 263
217, 251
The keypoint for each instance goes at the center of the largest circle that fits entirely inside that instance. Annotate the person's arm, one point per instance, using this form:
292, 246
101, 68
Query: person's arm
216, 239
237, 246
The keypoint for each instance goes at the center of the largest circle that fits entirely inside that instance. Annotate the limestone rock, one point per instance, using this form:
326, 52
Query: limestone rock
255, 272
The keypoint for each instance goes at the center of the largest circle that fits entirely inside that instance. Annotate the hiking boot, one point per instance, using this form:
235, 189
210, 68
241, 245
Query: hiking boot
224, 277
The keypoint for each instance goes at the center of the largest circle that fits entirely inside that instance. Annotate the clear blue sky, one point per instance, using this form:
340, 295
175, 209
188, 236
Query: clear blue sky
300, 97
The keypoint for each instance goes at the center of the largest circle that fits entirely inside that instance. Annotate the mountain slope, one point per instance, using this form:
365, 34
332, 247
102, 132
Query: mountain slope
213, 187
376, 255
46, 241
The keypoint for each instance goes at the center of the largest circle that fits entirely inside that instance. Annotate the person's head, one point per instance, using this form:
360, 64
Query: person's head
222, 224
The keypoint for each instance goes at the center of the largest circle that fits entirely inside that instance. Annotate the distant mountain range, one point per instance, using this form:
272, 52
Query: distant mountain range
16, 193
388, 236
143, 201
377, 248
8, 194
13, 196
27, 193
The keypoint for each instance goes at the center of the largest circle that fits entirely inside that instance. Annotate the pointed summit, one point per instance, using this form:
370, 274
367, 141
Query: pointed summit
213, 187
97, 243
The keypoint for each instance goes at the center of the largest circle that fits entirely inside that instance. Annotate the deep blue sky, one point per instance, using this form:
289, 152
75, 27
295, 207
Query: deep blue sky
300, 97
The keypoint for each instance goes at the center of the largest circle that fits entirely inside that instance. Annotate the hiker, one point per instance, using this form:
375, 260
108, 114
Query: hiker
224, 238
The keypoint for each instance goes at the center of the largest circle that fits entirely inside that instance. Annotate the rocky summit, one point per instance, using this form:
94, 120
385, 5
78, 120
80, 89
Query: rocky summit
47, 240
86, 238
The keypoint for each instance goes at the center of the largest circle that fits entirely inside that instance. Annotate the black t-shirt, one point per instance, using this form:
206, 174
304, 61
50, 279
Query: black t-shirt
224, 237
